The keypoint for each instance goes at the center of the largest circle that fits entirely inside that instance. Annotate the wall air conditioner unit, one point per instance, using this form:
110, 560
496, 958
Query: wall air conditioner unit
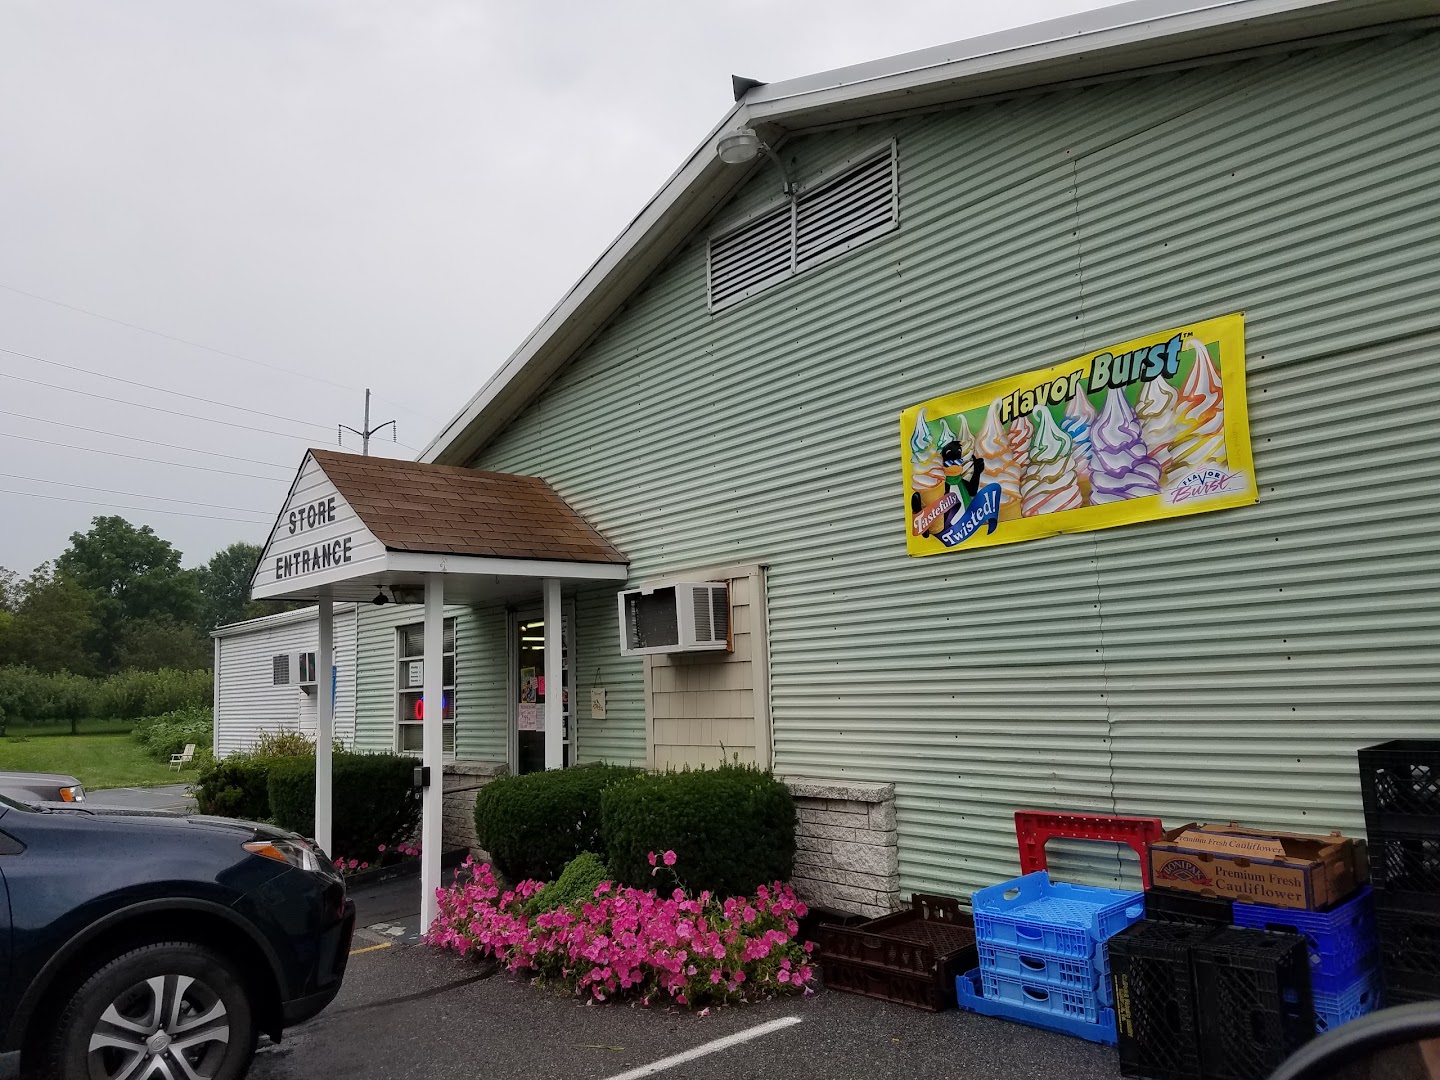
302, 670
688, 616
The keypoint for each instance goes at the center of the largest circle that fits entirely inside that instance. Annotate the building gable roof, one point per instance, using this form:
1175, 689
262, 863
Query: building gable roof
1135, 37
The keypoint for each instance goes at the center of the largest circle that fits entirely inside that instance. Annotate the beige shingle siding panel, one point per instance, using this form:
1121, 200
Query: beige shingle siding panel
1078, 671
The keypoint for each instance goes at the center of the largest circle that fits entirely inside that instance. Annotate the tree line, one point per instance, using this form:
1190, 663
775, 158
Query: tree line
117, 599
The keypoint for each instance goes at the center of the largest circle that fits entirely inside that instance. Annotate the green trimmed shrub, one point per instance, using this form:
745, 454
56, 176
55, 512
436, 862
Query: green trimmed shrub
576, 884
533, 825
732, 828
374, 799
237, 786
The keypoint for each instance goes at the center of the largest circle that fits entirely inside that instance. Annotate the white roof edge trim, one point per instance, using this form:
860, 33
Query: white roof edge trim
279, 618
1102, 29
700, 158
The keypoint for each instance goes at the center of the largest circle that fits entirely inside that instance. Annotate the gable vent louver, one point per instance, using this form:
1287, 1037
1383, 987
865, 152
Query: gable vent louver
844, 211
750, 257
833, 215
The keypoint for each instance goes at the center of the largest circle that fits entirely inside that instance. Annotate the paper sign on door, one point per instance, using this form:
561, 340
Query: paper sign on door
530, 717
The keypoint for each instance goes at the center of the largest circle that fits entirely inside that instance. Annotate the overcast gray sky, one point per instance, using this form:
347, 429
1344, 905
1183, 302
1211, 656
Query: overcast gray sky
323, 195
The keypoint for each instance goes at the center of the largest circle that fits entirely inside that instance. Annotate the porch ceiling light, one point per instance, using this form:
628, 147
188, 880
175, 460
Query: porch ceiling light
743, 145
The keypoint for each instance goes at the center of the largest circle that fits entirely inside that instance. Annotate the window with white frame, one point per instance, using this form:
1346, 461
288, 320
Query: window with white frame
410, 688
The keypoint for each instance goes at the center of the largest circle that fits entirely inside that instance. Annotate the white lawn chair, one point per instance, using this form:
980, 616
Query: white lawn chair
180, 760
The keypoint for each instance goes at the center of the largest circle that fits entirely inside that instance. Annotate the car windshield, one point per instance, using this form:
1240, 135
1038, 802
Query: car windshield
16, 804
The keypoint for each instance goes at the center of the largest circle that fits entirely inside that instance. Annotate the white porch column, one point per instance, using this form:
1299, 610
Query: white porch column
554, 677
324, 727
432, 809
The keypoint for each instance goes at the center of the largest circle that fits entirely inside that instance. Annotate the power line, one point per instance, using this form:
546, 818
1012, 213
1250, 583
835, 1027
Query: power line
155, 408
136, 438
166, 390
136, 457
195, 344
123, 506
139, 495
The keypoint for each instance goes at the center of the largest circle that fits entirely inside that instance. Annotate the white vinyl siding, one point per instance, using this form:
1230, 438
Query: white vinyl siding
248, 700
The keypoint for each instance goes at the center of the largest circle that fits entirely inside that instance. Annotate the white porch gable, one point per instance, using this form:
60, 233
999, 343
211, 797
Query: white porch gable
318, 539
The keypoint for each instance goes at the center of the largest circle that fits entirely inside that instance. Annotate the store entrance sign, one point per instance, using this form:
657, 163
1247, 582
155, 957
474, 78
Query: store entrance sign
1151, 428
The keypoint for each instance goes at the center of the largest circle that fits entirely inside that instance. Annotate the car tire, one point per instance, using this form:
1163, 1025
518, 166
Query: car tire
156, 1001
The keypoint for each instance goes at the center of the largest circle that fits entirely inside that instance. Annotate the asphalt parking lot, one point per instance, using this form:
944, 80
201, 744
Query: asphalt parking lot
408, 1011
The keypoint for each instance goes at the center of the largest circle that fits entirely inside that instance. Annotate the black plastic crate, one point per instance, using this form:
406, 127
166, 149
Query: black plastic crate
911, 956
1177, 906
1400, 786
1155, 1009
1253, 991
1405, 870
1409, 952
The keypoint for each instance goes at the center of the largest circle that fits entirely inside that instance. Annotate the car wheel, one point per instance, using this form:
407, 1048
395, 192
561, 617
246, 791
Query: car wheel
172, 1011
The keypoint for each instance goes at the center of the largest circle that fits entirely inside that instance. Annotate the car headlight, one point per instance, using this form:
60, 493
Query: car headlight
294, 853
75, 793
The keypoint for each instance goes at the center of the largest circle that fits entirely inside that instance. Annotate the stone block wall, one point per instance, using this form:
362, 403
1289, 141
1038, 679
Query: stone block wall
462, 780
847, 855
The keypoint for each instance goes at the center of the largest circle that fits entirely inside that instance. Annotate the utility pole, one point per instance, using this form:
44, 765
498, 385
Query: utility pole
368, 430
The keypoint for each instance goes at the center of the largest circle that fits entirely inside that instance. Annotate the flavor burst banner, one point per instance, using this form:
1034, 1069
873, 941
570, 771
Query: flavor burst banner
1151, 428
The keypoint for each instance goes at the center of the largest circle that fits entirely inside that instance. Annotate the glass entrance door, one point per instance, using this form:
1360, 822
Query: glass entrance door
533, 697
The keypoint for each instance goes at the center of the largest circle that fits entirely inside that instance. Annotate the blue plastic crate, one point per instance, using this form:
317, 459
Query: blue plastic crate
1039, 916
1091, 975
1360, 997
968, 994
1343, 942
1082, 1005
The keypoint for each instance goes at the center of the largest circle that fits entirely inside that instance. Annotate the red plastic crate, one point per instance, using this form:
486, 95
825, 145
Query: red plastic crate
1034, 827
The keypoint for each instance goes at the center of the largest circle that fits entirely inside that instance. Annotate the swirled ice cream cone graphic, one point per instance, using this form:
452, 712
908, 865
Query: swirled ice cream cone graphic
1155, 407
1048, 482
1079, 415
927, 474
1200, 417
993, 448
1121, 467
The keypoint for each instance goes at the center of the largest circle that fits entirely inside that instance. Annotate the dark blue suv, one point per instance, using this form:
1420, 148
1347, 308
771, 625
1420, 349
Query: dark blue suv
138, 946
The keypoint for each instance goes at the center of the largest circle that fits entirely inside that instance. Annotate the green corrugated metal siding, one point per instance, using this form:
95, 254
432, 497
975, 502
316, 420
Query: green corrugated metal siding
620, 737
480, 681
1157, 668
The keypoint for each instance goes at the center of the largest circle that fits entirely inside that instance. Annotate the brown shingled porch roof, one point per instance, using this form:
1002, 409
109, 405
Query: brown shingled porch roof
444, 510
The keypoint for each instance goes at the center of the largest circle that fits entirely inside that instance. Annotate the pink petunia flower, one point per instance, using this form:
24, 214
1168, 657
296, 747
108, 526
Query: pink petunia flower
669, 858
651, 857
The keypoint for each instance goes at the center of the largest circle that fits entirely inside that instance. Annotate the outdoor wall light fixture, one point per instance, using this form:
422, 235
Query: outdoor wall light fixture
407, 594
743, 145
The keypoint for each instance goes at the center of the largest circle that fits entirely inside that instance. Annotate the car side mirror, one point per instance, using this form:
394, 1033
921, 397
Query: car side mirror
1399, 1043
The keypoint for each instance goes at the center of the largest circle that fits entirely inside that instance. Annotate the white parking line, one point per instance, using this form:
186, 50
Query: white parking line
707, 1048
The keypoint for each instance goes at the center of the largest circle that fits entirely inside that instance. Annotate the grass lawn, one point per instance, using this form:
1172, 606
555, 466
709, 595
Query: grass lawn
98, 760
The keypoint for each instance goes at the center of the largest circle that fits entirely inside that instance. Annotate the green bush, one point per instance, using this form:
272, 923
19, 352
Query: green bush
374, 800
237, 786
576, 884
169, 734
533, 825
732, 828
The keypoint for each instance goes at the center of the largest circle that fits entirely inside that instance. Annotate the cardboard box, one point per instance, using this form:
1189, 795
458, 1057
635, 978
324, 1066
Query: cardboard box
1290, 870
